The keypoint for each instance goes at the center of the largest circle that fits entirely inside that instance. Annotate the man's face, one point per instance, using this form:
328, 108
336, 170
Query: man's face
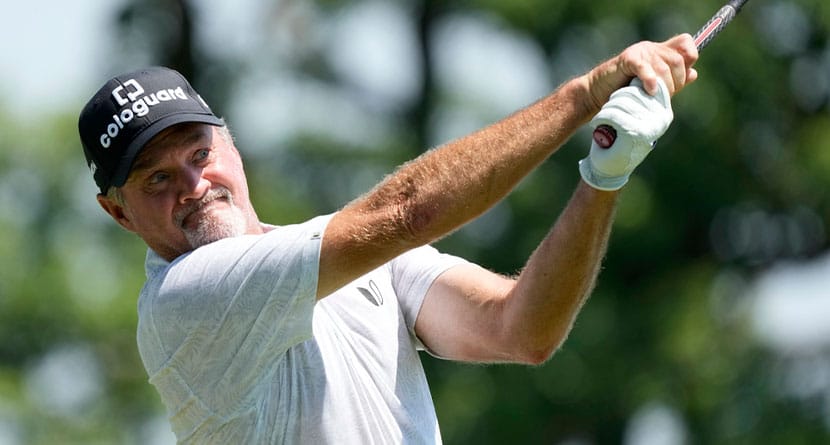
187, 188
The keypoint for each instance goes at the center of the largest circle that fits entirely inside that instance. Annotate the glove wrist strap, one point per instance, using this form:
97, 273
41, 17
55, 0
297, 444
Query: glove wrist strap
597, 181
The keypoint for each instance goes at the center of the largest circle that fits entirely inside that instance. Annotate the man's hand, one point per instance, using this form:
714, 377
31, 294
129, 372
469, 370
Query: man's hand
639, 119
640, 112
670, 61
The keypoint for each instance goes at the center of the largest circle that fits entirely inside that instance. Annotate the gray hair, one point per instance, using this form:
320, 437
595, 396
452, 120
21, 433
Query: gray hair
114, 194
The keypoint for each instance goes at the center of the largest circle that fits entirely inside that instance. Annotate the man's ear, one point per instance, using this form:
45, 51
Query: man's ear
116, 211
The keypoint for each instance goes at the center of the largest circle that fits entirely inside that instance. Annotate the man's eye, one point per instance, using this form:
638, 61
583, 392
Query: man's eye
158, 177
202, 154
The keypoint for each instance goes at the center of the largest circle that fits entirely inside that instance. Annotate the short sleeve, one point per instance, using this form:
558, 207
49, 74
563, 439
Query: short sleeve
412, 275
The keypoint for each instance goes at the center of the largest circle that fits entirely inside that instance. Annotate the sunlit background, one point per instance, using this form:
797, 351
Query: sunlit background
711, 320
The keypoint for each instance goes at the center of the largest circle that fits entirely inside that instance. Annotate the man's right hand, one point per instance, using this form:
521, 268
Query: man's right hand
671, 61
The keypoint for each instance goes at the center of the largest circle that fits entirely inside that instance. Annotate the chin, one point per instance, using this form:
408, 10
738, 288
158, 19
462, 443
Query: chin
210, 230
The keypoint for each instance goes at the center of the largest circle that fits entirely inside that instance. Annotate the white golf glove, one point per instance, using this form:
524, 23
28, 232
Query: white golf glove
639, 119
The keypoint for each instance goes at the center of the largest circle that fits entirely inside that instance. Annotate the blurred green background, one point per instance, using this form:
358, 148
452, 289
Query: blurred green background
710, 323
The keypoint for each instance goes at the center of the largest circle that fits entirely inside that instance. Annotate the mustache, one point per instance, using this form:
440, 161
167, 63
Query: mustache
192, 207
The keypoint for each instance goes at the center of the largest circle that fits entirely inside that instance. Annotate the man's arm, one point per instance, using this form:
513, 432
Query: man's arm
446, 187
472, 314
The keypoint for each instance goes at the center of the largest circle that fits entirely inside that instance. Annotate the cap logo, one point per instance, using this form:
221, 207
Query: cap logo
132, 92
137, 90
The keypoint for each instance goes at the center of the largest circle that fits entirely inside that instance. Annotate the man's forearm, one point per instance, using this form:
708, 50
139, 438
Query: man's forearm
446, 187
560, 274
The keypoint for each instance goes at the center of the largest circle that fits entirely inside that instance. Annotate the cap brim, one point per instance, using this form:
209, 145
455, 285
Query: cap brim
126, 162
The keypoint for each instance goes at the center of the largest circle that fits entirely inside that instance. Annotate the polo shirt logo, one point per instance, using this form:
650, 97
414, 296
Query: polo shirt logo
372, 293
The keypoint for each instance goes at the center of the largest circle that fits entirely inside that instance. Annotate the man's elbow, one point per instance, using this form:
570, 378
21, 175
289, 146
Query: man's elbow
536, 355
533, 346
535, 350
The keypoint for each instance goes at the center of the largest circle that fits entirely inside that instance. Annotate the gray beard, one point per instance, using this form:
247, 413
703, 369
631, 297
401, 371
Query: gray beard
210, 229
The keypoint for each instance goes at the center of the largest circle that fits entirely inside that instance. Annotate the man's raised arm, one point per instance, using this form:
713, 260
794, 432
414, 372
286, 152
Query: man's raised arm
447, 187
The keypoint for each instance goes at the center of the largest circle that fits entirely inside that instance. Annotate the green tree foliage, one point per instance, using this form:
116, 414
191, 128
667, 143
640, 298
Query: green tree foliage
737, 185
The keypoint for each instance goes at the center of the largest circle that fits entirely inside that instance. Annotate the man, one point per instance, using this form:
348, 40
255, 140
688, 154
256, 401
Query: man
309, 333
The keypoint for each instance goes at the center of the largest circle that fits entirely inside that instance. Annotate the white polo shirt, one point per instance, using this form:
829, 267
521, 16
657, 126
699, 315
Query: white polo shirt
241, 353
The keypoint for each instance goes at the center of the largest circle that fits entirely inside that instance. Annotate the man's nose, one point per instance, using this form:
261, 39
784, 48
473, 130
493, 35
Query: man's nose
193, 184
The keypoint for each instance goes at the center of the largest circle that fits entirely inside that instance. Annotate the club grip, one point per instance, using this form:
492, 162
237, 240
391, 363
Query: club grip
714, 26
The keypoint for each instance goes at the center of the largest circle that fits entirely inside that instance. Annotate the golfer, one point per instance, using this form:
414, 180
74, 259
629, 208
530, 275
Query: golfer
309, 333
